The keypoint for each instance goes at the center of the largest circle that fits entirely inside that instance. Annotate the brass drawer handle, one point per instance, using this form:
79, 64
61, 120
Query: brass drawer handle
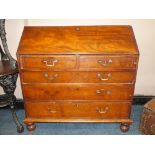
52, 111
50, 78
102, 110
104, 79
105, 62
50, 62
103, 91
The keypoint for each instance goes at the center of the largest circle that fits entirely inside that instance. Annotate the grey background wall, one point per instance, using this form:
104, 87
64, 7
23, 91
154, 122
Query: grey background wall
144, 32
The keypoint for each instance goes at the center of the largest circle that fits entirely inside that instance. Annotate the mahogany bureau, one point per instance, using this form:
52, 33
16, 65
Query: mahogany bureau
78, 74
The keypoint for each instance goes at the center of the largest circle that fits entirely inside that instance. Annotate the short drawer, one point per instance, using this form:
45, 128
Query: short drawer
107, 62
102, 110
78, 77
48, 62
77, 92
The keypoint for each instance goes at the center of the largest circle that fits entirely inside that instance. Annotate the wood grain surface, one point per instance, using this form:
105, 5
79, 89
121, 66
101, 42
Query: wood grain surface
80, 62
78, 76
78, 40
78, 73
101, 110
77, 92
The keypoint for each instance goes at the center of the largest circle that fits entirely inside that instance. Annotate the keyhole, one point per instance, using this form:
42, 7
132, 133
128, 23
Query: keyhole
77, 29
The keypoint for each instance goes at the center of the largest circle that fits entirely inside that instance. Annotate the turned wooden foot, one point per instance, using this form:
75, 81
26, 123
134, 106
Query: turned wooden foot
31, 126
124, 127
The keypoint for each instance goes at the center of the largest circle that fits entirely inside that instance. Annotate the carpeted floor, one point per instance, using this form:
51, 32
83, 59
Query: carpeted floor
7, 126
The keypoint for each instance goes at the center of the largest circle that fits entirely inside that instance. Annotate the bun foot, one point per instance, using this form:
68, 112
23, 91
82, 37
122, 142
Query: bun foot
124, 127
31, 126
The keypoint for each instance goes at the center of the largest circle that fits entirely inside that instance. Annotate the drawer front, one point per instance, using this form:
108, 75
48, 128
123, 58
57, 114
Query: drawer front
78, 77
83, 110
108, 62
77, 92
48, 62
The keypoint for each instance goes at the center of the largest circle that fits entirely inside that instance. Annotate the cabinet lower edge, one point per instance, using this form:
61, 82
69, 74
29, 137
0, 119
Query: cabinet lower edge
77, 120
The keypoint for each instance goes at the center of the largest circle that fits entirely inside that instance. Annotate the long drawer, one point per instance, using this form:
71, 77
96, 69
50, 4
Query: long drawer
83, 62
77, 92
102, 110
78, 77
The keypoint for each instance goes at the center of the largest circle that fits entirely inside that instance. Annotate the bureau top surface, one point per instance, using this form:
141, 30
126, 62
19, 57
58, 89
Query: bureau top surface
77, 40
